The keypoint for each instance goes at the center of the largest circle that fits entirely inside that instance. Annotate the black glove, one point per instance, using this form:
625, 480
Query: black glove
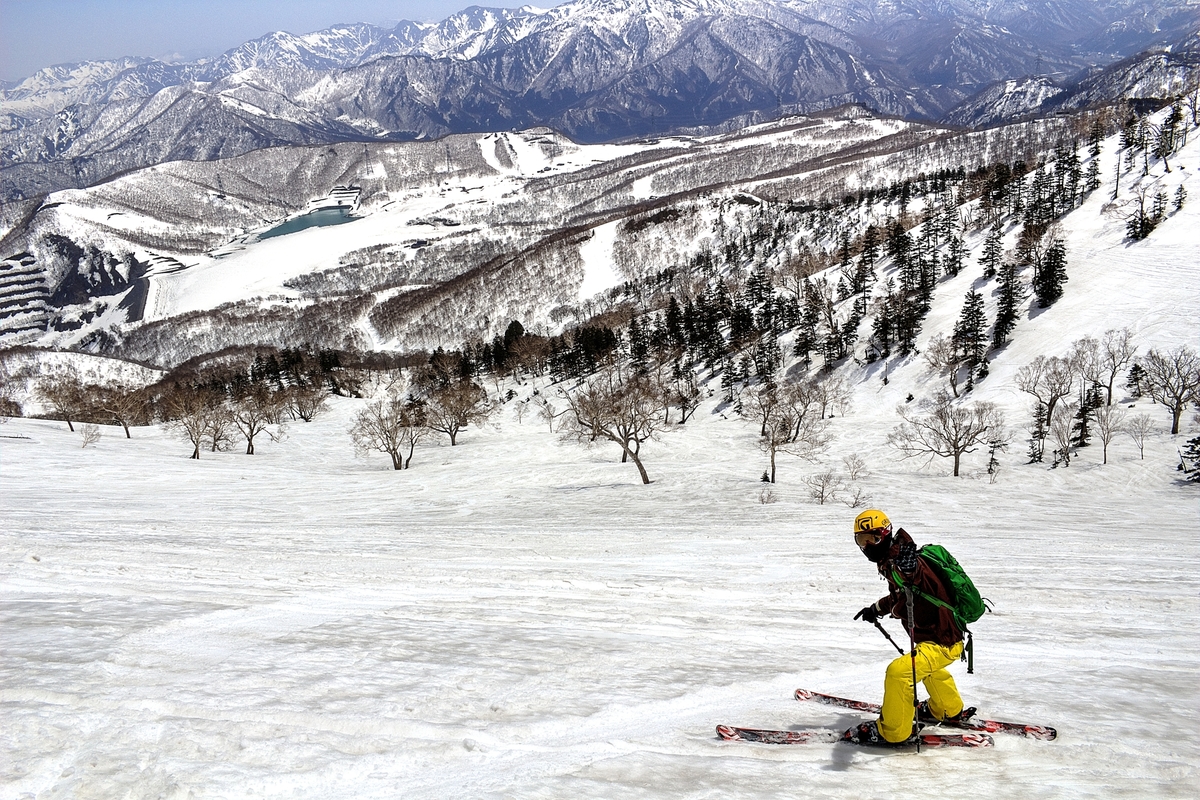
906, 558
869, 614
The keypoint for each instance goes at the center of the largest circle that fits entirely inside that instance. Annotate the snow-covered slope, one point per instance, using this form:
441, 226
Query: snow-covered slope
1007, 100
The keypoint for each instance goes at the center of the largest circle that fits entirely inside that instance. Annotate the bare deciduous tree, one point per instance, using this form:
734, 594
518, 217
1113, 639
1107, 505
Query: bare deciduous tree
64, 394
621, 410
858, 497
760, 405
547, 413
452, 407
530, 353
1047, 379
947, 429
9, 407
824, 486
192, 413
125, 405
256, 412
1116, 351
833, 394
1061, 424
307, 402
1107, 422
390, 425
90, 433
942, 357
1174, 380
1100, 361
1139, 427
1086, 358
856, 467
793, 423
219, 436
684, 393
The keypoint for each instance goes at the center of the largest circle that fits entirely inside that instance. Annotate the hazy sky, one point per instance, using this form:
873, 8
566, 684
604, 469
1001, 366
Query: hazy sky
38, 33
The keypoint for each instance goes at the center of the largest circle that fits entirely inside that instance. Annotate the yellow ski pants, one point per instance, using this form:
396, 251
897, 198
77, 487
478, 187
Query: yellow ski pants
896, 718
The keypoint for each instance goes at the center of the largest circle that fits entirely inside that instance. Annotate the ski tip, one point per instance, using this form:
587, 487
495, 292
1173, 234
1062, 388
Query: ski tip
803, 694
727, 732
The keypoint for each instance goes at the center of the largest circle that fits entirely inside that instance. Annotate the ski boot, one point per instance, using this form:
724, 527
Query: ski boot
924, 714
867, 733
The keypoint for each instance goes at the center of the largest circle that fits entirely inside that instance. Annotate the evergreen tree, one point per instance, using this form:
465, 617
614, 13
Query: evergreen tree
1037, 206
1071, 180
1190, 460
955, 252
970, 335
1038, 432
870, 247
908, 323
883, 325
767, 357
1159, 211
810, 318
929, 275
673, 322
949, 218
638, 347
1129, 133
1017, 188
899, 247
1081, 427
1091, 180
1010, 293
1052, 274
728, 379
1136, 382
992, 252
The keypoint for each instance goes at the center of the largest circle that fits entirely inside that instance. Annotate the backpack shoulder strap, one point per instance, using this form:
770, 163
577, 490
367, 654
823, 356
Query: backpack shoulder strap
930, 598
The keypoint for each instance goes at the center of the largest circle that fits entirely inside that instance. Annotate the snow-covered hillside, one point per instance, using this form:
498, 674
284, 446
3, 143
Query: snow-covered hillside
454, 238
518, 616
430, 212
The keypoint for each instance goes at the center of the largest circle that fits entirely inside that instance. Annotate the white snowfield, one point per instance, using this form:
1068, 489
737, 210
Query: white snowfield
518, 617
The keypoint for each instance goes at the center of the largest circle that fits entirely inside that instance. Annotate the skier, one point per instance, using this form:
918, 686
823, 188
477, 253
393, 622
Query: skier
937, 640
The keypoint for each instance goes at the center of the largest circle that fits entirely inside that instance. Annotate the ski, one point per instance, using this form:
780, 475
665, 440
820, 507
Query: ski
1042, 732
812, 736
826, 736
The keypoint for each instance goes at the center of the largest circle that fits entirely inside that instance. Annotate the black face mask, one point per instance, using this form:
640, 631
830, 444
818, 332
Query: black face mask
878, 552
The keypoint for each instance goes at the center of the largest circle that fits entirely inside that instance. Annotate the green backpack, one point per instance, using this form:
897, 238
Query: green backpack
967, 606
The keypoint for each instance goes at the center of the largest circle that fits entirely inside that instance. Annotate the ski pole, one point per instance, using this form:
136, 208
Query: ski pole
888, 636
913, 643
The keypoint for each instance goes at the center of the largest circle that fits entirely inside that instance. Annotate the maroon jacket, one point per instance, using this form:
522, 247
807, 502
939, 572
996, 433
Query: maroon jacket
932, 623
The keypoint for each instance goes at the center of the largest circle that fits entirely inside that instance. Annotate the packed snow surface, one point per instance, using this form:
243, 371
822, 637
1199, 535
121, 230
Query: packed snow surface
519, 617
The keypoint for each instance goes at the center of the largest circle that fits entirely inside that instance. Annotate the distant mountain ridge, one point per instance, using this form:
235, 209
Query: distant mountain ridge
1152, 74
597, 70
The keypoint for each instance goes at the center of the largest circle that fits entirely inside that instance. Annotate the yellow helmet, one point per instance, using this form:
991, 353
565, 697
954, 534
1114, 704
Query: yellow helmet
870, 520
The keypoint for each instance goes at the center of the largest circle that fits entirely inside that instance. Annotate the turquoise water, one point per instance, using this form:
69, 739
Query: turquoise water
313, 219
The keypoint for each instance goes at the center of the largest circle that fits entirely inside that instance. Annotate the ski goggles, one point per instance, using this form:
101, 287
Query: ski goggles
873, 536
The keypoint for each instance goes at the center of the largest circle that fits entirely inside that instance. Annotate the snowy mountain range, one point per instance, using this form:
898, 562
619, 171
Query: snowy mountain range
596, 70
